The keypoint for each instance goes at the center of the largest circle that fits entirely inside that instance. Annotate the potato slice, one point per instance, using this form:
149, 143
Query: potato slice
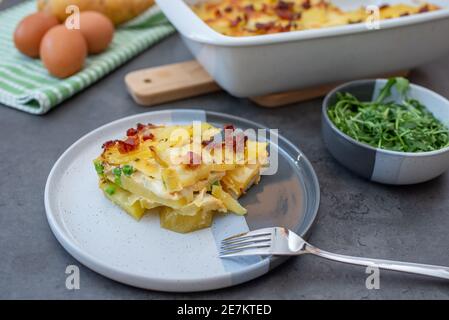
230, 203
241, 179
171, 181
176, 222
143, 187
123, 199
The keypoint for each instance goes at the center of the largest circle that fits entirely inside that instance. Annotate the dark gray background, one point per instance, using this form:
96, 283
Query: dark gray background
356, 217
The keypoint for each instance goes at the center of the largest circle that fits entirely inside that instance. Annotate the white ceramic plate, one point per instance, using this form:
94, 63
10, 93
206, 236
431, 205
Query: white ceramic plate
142, 254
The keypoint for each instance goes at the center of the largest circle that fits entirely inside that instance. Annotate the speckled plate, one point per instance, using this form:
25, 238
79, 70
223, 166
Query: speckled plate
142, 254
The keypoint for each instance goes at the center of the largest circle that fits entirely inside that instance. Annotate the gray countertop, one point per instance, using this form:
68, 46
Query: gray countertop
356, 217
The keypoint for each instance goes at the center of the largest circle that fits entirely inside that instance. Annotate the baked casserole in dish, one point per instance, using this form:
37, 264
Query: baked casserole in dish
250, 66
257, 17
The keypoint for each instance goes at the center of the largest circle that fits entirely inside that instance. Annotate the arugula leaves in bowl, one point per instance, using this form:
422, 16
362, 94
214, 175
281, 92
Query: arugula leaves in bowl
405, 126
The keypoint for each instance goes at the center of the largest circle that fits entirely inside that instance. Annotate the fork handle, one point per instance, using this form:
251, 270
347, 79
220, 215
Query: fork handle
416, 268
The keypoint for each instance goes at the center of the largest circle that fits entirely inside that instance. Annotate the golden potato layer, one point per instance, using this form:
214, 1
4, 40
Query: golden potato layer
239, 18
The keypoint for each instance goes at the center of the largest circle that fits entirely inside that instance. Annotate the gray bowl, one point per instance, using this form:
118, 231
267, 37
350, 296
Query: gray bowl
389, 167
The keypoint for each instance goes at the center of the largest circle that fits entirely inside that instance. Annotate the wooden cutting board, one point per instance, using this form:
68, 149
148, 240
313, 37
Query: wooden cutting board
188, 79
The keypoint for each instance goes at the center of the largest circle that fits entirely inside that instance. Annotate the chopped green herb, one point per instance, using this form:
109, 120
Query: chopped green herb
215, 183
128, 170
406, 127
99, 167
117, 171
110, 190
118, 175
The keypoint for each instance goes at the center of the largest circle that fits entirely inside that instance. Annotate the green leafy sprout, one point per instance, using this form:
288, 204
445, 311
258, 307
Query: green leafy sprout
405, 127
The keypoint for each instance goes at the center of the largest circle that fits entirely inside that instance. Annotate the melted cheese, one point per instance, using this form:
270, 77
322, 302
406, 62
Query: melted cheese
256, 17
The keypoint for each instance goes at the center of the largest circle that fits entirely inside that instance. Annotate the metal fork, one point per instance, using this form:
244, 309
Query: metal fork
283, 242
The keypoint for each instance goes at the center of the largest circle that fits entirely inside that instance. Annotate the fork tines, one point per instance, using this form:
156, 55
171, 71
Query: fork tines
246, 243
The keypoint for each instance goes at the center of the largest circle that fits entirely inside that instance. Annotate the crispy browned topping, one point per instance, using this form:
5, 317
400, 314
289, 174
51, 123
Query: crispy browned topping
258, 17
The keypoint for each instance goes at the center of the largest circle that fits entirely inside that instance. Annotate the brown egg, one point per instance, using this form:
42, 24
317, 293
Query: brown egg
97, 29
63, 51
31, 30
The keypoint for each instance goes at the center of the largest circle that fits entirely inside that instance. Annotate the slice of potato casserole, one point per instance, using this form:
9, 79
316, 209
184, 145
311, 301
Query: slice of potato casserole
186, 173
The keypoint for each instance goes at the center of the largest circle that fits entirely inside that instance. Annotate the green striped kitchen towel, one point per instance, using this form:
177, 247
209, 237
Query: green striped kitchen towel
25, 83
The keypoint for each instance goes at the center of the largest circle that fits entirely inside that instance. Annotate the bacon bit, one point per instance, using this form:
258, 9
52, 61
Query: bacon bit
131, 132
405, 14
424, 9
141, 127
283, 5
212, 144
287, 15
228, 9
264, 26
132, 140
235, 140
153, 126
249, 8
218, 13
207, 142
306, 4
193, 159
236, 21
109, 144
128, 145
264, 8
240, 142
286, 28
384, 6
148, 136
229, 140
229, 127
234, 143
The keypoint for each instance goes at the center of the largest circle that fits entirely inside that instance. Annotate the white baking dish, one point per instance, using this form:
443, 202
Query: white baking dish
253, 66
